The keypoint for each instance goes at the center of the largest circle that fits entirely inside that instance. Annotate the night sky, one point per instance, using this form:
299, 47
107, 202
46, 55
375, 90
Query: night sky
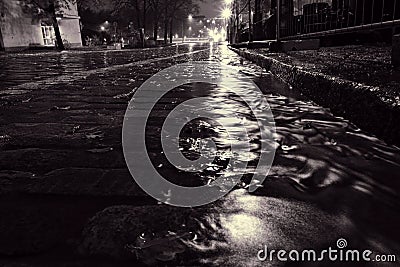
211, 8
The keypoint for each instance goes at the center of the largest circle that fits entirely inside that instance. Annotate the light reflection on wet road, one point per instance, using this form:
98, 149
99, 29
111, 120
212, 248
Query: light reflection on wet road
329, 180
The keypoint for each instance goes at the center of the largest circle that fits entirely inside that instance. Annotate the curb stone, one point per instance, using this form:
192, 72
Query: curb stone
357, 102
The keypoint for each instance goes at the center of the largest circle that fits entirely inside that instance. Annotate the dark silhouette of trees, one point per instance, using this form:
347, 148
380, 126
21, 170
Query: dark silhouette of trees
155, 12
145, 13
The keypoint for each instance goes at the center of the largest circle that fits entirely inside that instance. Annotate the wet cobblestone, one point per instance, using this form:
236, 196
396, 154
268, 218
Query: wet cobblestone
63, 175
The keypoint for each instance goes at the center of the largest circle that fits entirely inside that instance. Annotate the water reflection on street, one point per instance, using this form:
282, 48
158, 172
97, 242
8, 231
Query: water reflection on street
14, 69
329, 179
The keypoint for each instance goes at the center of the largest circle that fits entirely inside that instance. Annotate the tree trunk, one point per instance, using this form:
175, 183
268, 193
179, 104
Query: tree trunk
2, 48
257, 21
59, 41
165, 31
250, 22
171, 34
155, 30
156, 14
142, 38
139, 23
144, 15
166, 24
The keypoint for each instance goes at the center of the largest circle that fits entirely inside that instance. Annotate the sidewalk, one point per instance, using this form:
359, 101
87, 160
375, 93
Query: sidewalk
356, 82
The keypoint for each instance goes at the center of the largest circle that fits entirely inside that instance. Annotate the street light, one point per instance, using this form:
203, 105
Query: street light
226, 13
190, 19
102, 28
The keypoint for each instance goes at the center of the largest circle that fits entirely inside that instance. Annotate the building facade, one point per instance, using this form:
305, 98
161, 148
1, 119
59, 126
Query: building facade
20, 29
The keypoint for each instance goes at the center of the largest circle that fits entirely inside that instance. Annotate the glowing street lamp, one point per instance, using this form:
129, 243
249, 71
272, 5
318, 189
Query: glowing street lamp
102, 28
190, 17
226, 13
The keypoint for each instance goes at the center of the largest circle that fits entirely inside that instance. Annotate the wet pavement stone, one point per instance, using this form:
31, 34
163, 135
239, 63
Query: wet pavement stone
64, 140
67, 199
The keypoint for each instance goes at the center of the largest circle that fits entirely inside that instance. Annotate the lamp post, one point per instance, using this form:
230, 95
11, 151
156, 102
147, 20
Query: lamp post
236, 4
183, 31
278, 20
102, 29
227, 15
115, 25
250, 20
190, 19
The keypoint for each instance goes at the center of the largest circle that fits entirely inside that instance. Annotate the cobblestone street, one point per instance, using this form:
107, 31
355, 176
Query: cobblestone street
68, 199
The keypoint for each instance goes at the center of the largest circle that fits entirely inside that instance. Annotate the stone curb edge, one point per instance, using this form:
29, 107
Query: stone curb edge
356, 102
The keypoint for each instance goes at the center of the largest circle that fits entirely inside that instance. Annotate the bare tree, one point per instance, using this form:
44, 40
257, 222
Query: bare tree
156, 7
140, 9
175, 8
161, 10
